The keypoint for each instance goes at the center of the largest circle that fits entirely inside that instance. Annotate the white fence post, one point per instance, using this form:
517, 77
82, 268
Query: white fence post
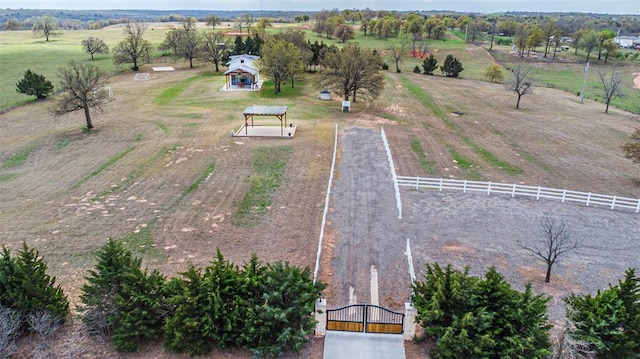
564, 195
489, 188
441, 184
638, 206
465, 187
417, 182
613, 202
588, 199
513, 191
538, 194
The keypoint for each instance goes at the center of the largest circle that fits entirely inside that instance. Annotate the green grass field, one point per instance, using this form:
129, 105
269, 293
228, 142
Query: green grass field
22, 51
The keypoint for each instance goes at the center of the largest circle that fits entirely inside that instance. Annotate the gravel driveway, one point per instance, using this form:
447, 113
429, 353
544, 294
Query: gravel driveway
469, 229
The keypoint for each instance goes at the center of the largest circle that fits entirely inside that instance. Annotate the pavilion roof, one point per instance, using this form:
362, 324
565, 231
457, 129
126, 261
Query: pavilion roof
265, 110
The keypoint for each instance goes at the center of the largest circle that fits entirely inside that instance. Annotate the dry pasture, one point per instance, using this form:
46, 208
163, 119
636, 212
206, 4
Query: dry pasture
57, 203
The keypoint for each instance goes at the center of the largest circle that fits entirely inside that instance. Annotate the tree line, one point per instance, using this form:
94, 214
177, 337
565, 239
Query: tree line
266, 309
263, 308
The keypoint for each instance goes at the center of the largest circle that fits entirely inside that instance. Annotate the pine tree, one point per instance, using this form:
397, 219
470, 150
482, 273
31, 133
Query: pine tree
120, 300
183, 329
430, 64
610, 320
25, 285
452, 67
282, 321
471, 317
34, 84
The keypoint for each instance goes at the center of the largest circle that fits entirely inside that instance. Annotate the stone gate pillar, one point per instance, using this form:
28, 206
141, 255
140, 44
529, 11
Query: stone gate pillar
321, 317
409, 321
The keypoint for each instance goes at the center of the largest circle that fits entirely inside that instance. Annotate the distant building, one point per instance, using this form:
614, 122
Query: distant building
627, 42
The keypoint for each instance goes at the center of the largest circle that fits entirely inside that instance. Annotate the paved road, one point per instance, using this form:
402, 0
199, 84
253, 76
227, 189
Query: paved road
347, 345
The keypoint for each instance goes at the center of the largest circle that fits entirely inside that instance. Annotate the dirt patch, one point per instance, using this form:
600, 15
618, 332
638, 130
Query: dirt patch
636, 81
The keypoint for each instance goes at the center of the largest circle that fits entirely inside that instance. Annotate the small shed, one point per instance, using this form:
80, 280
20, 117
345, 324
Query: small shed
280, 112
325, 95
346, 106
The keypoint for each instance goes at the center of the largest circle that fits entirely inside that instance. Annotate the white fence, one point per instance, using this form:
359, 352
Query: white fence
613, 202
393, 172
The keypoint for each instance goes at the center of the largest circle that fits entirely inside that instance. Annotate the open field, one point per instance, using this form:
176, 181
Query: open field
161, 172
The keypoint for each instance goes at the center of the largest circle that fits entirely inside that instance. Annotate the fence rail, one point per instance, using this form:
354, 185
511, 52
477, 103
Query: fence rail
588, 198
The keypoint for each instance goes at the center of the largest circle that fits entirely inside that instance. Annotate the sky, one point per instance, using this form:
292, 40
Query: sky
481, 6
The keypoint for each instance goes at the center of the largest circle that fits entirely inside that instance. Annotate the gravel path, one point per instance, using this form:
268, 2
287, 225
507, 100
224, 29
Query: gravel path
364, 219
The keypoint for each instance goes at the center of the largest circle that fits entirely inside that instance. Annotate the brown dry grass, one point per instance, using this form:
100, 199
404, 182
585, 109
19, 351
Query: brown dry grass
52, 204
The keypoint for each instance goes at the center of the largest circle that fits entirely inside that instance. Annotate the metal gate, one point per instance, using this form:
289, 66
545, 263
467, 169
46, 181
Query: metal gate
365, 318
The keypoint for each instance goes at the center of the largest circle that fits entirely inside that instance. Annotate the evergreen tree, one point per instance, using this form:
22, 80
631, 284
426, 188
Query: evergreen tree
452, 67
610, 320
121, 300
34, 84
280, 317
471, 317
207, 309
183, 330
238, 46
25, 285
430, 64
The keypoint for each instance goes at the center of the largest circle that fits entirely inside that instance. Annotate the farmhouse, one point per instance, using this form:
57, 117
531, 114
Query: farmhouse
243, 74
627, 41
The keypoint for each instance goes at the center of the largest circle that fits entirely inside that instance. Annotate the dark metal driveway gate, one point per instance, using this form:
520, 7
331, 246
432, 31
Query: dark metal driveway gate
365, 318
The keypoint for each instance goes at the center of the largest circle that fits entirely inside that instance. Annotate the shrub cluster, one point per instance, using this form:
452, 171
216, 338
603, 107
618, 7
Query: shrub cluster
29, 297
473, 317
262, 308
609, 320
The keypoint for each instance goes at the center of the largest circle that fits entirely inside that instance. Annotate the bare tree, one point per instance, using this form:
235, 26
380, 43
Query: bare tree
520, 83
565, 346
610, 87
134, 47
81, 87
45, 324
557, 241
397, 52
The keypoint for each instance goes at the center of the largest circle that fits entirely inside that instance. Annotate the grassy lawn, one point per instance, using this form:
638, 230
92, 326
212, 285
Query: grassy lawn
269, 165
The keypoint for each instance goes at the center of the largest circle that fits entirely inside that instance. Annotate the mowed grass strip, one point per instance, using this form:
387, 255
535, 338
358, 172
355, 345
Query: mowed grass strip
425, 163
424, 97
19, 158
203, 176
270, 164
110, 162
466, 164
171, 93
492, 160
